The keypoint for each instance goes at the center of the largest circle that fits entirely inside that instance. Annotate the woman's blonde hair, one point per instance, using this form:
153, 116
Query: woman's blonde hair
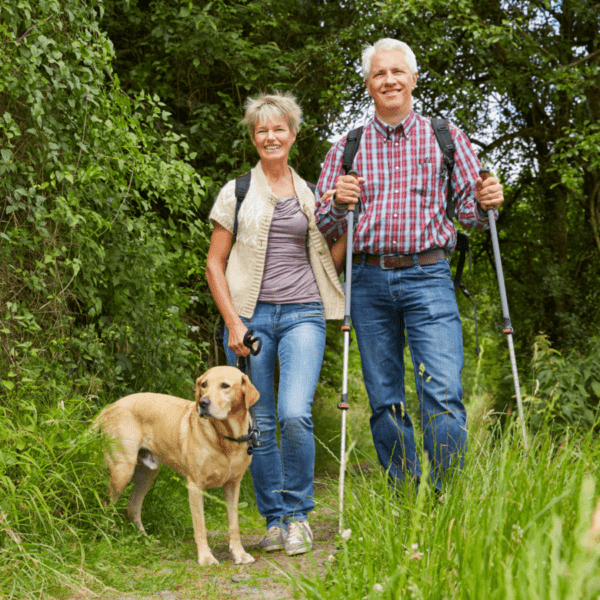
272, 106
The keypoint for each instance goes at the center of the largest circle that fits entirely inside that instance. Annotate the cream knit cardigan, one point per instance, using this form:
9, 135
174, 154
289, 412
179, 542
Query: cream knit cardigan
246, 261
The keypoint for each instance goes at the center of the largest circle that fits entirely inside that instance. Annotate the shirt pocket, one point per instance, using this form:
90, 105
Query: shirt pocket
424, 179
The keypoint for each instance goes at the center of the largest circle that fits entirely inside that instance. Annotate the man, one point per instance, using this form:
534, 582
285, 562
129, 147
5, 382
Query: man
401, 278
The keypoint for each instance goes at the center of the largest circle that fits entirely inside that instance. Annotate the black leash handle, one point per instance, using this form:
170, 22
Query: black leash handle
250, 341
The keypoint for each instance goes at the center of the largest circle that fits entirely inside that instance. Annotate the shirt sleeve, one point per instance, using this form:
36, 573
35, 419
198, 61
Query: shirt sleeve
330, 219
223, 210
466, 171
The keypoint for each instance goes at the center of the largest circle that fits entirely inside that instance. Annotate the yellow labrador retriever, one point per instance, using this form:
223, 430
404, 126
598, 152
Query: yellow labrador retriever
198, 440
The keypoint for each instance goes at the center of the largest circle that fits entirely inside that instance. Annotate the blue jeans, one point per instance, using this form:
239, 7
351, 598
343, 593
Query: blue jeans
283, 478
420, 299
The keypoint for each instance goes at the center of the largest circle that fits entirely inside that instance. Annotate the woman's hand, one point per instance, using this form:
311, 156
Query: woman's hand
236, 339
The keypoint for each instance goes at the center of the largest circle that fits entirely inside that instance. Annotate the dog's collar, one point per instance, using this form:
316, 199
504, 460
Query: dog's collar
251, 437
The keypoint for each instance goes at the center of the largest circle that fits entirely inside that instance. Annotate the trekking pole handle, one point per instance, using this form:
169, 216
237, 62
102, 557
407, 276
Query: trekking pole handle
249, 342
354, 174
484, 174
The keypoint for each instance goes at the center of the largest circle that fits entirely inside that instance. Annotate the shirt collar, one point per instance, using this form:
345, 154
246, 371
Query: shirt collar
401, 129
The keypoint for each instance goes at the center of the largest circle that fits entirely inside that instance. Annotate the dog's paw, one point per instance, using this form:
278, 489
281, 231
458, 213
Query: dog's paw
242, 558
205, 560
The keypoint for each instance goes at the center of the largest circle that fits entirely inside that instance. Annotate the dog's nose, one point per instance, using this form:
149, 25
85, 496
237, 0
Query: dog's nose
205, 402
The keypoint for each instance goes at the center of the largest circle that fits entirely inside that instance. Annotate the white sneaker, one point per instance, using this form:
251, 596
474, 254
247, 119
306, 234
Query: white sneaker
299, 538
274, 539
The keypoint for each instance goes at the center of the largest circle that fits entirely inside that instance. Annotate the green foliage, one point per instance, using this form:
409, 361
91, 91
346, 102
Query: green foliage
567, 387
101, 239
205, 58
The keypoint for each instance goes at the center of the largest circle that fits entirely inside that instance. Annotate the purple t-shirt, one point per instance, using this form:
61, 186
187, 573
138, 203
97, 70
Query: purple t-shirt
288, 277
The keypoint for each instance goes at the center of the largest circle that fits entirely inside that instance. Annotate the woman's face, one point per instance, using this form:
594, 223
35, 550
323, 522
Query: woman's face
273, 139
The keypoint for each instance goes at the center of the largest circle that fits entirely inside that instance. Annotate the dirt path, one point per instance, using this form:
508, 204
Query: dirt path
269, 578
265, 578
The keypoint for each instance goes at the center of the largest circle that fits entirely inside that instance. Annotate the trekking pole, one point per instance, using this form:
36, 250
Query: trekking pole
507, 329
346, 326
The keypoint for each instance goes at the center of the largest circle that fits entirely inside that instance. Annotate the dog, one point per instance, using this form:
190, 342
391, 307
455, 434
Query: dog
198, 440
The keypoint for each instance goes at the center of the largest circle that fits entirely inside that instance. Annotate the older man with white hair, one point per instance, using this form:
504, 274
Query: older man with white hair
401, 279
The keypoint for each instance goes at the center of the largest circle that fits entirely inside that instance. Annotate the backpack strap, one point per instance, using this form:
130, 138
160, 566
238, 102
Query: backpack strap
351, 148
242, 185
441, 129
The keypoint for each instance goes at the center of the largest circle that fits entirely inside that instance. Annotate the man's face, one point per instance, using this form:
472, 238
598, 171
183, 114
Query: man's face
390, 84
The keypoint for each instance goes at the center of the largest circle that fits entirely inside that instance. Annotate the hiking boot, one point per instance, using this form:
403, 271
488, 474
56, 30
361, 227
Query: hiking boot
274, 539
299, 538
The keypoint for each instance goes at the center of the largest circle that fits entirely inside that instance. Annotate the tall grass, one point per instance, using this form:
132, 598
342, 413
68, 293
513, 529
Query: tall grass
512, 527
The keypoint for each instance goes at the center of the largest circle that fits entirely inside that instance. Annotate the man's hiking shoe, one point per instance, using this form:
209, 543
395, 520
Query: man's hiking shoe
274, 539
299, 538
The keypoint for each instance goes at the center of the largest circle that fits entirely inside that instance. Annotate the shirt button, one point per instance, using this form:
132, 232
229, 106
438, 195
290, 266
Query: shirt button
397, 191
395, 216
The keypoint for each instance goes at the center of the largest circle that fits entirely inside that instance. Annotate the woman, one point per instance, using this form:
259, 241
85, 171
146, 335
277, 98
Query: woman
277, 278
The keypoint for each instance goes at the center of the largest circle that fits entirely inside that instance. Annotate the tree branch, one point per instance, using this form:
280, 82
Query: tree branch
577, 62
526, 132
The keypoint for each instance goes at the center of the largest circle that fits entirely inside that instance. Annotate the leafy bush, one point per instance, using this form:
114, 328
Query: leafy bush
566, 390
101, 240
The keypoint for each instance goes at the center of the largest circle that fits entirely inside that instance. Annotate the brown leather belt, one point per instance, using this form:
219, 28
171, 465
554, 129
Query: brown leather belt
395, 261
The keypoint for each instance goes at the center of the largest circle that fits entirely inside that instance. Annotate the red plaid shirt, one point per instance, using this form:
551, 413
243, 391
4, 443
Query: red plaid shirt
403, 202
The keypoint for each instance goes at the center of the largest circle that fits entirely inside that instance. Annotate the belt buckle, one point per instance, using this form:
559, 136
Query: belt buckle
382, 261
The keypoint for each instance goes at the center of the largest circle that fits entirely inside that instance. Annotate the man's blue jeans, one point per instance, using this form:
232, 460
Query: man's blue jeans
283, 478
420, 299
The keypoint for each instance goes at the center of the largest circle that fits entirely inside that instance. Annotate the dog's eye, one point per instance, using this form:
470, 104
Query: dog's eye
225, 386
204, 384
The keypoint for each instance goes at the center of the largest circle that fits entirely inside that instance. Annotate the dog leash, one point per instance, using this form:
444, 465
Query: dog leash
243, 364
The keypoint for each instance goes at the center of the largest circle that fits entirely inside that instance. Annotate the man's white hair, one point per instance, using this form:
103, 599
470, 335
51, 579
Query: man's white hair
387, 45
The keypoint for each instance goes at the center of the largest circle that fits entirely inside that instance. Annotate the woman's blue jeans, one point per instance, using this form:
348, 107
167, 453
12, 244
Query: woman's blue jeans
420, 300
283, 477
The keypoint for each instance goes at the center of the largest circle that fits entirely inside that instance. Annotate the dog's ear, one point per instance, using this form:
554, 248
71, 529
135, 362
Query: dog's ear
251, 394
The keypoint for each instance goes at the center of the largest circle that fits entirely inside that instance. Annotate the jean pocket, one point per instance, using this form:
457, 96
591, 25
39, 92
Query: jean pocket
310, 310
357, 271
439, 270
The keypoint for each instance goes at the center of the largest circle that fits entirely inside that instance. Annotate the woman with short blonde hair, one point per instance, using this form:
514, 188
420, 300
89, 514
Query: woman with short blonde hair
277, 278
